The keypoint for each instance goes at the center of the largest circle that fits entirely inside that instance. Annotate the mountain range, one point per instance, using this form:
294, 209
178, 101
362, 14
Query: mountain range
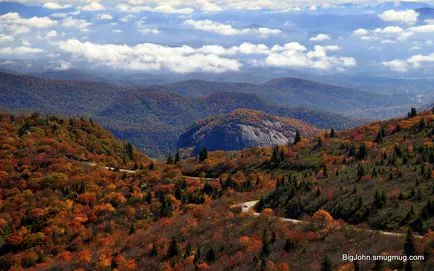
154, 117
295, 92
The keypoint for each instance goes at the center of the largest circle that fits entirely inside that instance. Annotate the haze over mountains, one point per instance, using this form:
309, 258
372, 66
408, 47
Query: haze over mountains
151, 118
154, 117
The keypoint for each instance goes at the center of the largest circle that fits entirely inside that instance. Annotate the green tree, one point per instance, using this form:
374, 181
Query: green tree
363, 152
188, 250
326, 264
265, 252
210, 255
173, 250
409, 246
297, 137
203, 155
129, 150
422, 124
170, 160
412, 113
332, 133
177, 157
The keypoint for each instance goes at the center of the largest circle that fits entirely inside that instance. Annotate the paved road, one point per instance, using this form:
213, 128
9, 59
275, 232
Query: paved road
93, 164
247, 207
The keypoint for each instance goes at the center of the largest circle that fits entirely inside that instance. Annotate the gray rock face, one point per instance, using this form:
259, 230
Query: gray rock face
242, 129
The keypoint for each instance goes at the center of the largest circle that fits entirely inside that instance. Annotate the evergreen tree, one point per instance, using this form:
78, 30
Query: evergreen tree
408, 266
177, 157
297, 137
409, 245
129, 150
265, 252
210, 255
173, 250
332, 133
203, 154
319, 143
326, 264
24, 130
422, 124
133, 227
151, 166
413, 112
170, 160
187, 251
289, 245
356, 266
166, 206
362, 153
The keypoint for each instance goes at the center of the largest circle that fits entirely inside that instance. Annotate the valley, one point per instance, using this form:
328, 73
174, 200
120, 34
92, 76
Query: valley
153, 118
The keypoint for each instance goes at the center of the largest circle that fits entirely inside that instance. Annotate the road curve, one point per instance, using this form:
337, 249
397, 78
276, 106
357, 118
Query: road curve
247, 207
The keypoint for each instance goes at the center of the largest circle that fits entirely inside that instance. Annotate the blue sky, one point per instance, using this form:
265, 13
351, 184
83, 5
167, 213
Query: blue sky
220, 36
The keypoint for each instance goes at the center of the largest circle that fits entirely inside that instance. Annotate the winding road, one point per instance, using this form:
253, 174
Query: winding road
247, 207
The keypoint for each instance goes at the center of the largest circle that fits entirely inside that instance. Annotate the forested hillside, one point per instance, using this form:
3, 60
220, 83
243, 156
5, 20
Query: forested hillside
295, 92
149, 118
62, 209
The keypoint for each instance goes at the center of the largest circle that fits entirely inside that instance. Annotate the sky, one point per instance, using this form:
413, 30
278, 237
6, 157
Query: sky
220, 36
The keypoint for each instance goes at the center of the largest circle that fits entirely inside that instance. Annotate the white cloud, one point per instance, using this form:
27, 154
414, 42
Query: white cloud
93, 6
406, 16
105, 17
415, 61
159, 9
62, 65
14, 24
361, 32
51, 34
389, 30
295, 55
428, 28
6, 38
418, 60
20, 51
396, 65
209, 58
320, 37
53, 5
389, 34
76, 23
150, 57
219, 5
229, 30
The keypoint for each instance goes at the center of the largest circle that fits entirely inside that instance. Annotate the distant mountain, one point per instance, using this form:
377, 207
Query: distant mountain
224, 102
293, 92
21, 92
152, 119
159, 117
71, 74
241, 129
